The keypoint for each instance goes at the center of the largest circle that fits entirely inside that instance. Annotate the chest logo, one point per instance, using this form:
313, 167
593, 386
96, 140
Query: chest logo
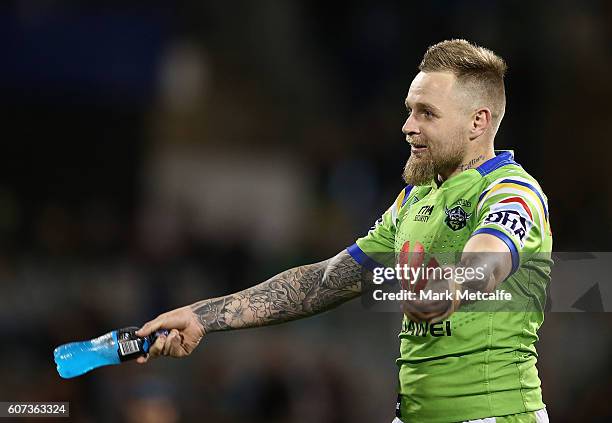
456, 218
423, 214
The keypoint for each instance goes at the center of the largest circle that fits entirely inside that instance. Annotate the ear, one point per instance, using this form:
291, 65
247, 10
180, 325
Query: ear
481, 122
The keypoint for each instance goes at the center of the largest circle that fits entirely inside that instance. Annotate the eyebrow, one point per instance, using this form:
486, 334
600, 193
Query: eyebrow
422, 105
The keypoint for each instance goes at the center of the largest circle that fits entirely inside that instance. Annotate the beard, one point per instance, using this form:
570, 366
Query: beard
422, 169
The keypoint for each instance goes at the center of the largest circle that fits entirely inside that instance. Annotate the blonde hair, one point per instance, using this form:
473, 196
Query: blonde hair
478, 69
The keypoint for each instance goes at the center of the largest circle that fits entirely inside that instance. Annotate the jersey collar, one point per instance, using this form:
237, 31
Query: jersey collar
502, 158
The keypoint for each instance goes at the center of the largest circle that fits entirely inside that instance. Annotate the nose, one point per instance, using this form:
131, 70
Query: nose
410, 127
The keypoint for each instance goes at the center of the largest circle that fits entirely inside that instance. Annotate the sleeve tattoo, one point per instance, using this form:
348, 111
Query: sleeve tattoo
290, 295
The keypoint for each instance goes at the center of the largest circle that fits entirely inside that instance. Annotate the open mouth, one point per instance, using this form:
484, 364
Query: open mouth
417, 148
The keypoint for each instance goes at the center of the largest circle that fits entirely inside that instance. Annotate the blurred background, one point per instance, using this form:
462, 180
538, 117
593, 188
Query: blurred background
155, 153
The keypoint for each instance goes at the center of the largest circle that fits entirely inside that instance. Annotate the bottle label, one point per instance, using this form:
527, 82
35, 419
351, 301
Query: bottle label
129, 347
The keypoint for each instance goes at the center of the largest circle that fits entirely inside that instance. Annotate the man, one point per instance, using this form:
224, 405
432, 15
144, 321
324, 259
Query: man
478, 363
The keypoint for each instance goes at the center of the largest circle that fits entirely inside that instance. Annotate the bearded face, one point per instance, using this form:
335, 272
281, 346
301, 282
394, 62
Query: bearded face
429, 158
437, 127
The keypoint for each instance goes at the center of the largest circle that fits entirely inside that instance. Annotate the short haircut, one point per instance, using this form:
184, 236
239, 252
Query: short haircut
478, 68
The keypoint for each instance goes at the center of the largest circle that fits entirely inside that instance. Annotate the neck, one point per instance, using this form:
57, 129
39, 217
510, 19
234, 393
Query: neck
470, 161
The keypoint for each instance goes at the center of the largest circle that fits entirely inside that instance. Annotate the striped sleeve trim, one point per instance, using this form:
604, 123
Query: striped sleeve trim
517, 188
520, 184
399, 202
406, 191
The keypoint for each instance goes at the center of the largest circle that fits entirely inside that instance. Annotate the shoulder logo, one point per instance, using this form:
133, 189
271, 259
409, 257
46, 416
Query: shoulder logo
456, 217
514, 216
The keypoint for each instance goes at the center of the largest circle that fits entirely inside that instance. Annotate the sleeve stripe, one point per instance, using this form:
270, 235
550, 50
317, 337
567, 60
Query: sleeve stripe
521, 185
532, 188
521, 202
399, 202
506, 239
362, 258
407, 194
516, 190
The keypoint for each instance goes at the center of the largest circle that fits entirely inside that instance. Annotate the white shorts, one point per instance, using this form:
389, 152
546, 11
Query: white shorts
540, 415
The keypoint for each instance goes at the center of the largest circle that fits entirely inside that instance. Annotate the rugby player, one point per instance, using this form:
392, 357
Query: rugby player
459, 360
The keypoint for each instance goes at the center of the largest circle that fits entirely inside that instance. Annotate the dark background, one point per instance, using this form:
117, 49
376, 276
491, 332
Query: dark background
156, 153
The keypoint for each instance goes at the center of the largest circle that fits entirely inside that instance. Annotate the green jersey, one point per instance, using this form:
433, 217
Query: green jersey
481, 361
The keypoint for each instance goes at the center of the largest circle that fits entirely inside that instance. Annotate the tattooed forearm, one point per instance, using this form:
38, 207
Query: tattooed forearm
290, 295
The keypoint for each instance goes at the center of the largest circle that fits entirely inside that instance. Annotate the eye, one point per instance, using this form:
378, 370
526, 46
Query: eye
428, 114
409, 110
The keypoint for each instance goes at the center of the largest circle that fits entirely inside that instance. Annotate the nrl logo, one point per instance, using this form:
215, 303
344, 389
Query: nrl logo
456, 218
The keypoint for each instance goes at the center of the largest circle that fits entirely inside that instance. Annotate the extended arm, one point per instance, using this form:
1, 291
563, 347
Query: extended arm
293, 294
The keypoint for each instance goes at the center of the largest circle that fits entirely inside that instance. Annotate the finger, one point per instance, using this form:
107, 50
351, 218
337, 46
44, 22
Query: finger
412, 313
151, 326
428, 306
453, 306
176, 347
442, 316
157, 346
411, 316
425, 316
171, 320
424, 310
172, 336
421, 316
142, 359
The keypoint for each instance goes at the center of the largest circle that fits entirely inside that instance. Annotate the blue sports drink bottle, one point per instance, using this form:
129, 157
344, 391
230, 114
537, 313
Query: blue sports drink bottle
115, 347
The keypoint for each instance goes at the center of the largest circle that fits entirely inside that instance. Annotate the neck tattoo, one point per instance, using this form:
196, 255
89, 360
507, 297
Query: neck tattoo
471, 163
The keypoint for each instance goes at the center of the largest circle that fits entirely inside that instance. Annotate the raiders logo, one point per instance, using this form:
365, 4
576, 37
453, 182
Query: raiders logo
456, 218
